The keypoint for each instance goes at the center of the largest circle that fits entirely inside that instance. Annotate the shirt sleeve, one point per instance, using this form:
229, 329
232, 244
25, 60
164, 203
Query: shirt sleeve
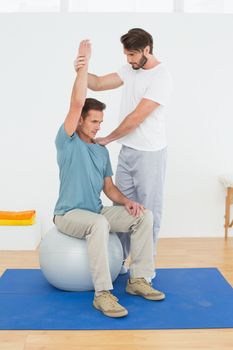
159, 89
108, 170
63, 138
121, 72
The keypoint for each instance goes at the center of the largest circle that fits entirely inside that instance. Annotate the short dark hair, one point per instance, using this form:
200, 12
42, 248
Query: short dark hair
137, 39
92, 103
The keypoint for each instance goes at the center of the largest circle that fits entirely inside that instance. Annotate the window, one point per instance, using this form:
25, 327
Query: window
208, 6
100, 6
121, 6
29, 5
187, 6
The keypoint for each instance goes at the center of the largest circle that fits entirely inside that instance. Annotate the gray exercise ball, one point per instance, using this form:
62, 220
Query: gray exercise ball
64, 260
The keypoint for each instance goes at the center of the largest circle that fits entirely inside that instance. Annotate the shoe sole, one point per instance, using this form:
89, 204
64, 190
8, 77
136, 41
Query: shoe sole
159, 298
109, 314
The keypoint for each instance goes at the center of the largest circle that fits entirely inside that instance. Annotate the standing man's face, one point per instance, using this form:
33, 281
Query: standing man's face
137, 59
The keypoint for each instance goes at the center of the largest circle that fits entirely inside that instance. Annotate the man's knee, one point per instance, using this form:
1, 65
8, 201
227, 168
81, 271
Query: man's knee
101, 222
148, 216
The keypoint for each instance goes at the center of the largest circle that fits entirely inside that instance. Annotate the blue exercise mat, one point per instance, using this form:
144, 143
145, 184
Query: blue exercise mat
195, 298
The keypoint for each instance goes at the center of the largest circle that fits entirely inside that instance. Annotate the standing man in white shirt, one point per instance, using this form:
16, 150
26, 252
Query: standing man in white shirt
147, 87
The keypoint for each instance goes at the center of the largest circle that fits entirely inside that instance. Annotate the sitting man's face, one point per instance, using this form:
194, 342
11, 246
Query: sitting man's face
89, 125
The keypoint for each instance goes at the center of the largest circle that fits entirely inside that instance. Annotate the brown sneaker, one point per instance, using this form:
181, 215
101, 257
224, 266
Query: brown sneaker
139, 286
108, 305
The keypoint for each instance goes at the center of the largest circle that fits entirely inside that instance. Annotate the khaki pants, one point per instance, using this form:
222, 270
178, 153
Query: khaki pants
95, 229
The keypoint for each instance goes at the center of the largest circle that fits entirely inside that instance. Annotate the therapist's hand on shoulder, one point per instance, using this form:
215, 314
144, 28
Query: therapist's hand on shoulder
103, 141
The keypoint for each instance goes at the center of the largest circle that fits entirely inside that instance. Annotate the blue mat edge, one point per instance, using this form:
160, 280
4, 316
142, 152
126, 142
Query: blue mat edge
161, 268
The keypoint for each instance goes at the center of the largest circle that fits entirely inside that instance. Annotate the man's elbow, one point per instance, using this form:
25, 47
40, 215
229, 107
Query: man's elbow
108, 190
105, 190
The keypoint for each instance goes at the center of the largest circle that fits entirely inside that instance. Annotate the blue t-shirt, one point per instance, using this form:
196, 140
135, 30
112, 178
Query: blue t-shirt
82, 169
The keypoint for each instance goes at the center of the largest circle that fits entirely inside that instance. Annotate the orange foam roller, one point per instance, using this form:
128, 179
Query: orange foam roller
17, 215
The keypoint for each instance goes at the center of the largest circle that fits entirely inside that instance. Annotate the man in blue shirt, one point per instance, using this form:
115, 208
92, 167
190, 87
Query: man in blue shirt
85, 170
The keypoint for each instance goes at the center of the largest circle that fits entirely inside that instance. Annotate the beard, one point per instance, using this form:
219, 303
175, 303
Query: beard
141, 63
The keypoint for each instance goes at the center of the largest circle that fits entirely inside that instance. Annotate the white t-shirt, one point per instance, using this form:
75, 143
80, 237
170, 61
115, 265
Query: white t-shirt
154, 84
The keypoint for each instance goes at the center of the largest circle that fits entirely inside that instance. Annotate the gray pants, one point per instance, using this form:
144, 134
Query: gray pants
95, 229
140, 176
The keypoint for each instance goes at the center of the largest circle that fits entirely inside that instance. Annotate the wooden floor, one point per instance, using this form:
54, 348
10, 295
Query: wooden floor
176, 252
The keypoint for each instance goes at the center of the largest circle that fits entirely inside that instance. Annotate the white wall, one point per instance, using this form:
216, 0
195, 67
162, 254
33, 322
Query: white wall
36, 76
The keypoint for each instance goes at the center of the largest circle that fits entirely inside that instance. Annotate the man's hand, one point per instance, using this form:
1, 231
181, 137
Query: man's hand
103, 141
134, 208
84, 55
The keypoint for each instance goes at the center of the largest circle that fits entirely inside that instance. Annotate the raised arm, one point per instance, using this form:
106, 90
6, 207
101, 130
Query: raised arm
79, 91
